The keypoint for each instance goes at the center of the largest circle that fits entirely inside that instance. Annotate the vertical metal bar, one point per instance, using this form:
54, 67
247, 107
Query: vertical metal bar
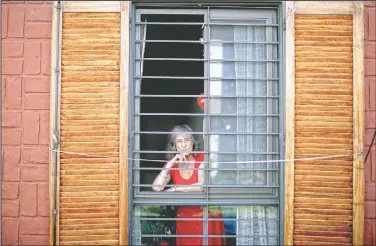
281, 55
207, 109
131, 120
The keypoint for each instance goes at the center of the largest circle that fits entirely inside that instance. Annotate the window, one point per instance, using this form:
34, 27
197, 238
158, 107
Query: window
232, 58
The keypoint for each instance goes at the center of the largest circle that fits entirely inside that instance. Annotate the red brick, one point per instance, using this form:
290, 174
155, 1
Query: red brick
11, 119
370, 67
28, 199
10, 228
39, 13
370, 118
369, 3
369, 227
366, 23
3, 84
37, 84
11, 136
368, 136
32, 58
12, 66
10, 208
16, 21
372, 93
37, 2
43, 200
44, 134
34, 240
368, 168
4, 21
372, 24
37, 101
370, 209
34, 226
32, 173
38, 30
12, 1
46, 58
11, 164
10, 190
372, 156
35, 155
12, 49
370, 49
370, 191
30, 127
13, 93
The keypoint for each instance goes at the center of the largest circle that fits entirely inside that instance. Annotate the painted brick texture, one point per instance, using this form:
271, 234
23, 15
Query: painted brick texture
26, 33
370, 122
26, 60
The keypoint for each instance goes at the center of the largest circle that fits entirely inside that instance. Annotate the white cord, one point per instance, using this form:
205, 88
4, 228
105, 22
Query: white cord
237, 162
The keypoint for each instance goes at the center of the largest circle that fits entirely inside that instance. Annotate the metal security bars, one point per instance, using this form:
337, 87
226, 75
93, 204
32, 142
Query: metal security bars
230, 59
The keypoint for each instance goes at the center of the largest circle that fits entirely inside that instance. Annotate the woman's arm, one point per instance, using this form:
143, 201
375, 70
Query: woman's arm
164, 176
195, 186
161, 180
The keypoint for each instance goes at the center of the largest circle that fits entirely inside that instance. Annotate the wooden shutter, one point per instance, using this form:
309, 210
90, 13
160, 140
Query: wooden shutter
89, 48
324, 96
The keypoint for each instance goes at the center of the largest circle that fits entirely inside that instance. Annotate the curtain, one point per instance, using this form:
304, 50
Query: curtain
257, 225
140, 52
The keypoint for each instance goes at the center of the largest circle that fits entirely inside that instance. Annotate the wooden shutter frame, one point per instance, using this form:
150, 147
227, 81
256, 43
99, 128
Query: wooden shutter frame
327, 7
90, 6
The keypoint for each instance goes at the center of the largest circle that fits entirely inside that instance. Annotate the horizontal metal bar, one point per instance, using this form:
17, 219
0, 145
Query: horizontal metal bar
204, 60
211, 186
208, 169
204, 235
198, 219
200, 41
208, 115
207, 133
191, 202
202, 78
208, 152
208, 24
203, 96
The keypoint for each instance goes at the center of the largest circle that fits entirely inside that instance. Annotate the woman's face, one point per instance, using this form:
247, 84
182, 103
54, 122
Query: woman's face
183, 143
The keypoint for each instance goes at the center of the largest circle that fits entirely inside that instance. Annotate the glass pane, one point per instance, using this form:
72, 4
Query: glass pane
193, 225
254, 140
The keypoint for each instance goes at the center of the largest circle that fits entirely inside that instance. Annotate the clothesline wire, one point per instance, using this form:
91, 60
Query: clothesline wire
234, 162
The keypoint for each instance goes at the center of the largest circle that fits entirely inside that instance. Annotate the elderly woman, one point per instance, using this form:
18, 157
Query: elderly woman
184, 142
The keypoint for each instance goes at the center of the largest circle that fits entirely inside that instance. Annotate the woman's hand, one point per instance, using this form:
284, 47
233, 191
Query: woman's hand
179, 158
172, 189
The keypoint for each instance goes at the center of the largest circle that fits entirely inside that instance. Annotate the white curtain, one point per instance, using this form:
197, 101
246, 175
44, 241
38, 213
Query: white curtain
140, 52
257, 225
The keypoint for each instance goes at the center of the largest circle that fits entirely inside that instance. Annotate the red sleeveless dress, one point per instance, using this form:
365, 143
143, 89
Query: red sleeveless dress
192, 227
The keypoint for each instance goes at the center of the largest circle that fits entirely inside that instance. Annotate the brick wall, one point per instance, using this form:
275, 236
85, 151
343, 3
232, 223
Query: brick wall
26, 33
370, 121
26, 48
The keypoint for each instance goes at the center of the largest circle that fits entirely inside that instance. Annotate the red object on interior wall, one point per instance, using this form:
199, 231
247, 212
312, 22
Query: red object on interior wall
201, 100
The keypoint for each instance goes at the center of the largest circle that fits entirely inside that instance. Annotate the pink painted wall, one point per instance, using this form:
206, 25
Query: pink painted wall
26, 55
370, 121
26, 42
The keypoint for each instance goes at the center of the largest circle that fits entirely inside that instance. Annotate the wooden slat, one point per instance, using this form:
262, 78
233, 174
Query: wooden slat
54, 163
323, 126
89, 123
358, 137
290, 114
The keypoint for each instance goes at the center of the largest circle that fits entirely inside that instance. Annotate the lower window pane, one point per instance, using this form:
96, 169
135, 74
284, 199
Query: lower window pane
216, 225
